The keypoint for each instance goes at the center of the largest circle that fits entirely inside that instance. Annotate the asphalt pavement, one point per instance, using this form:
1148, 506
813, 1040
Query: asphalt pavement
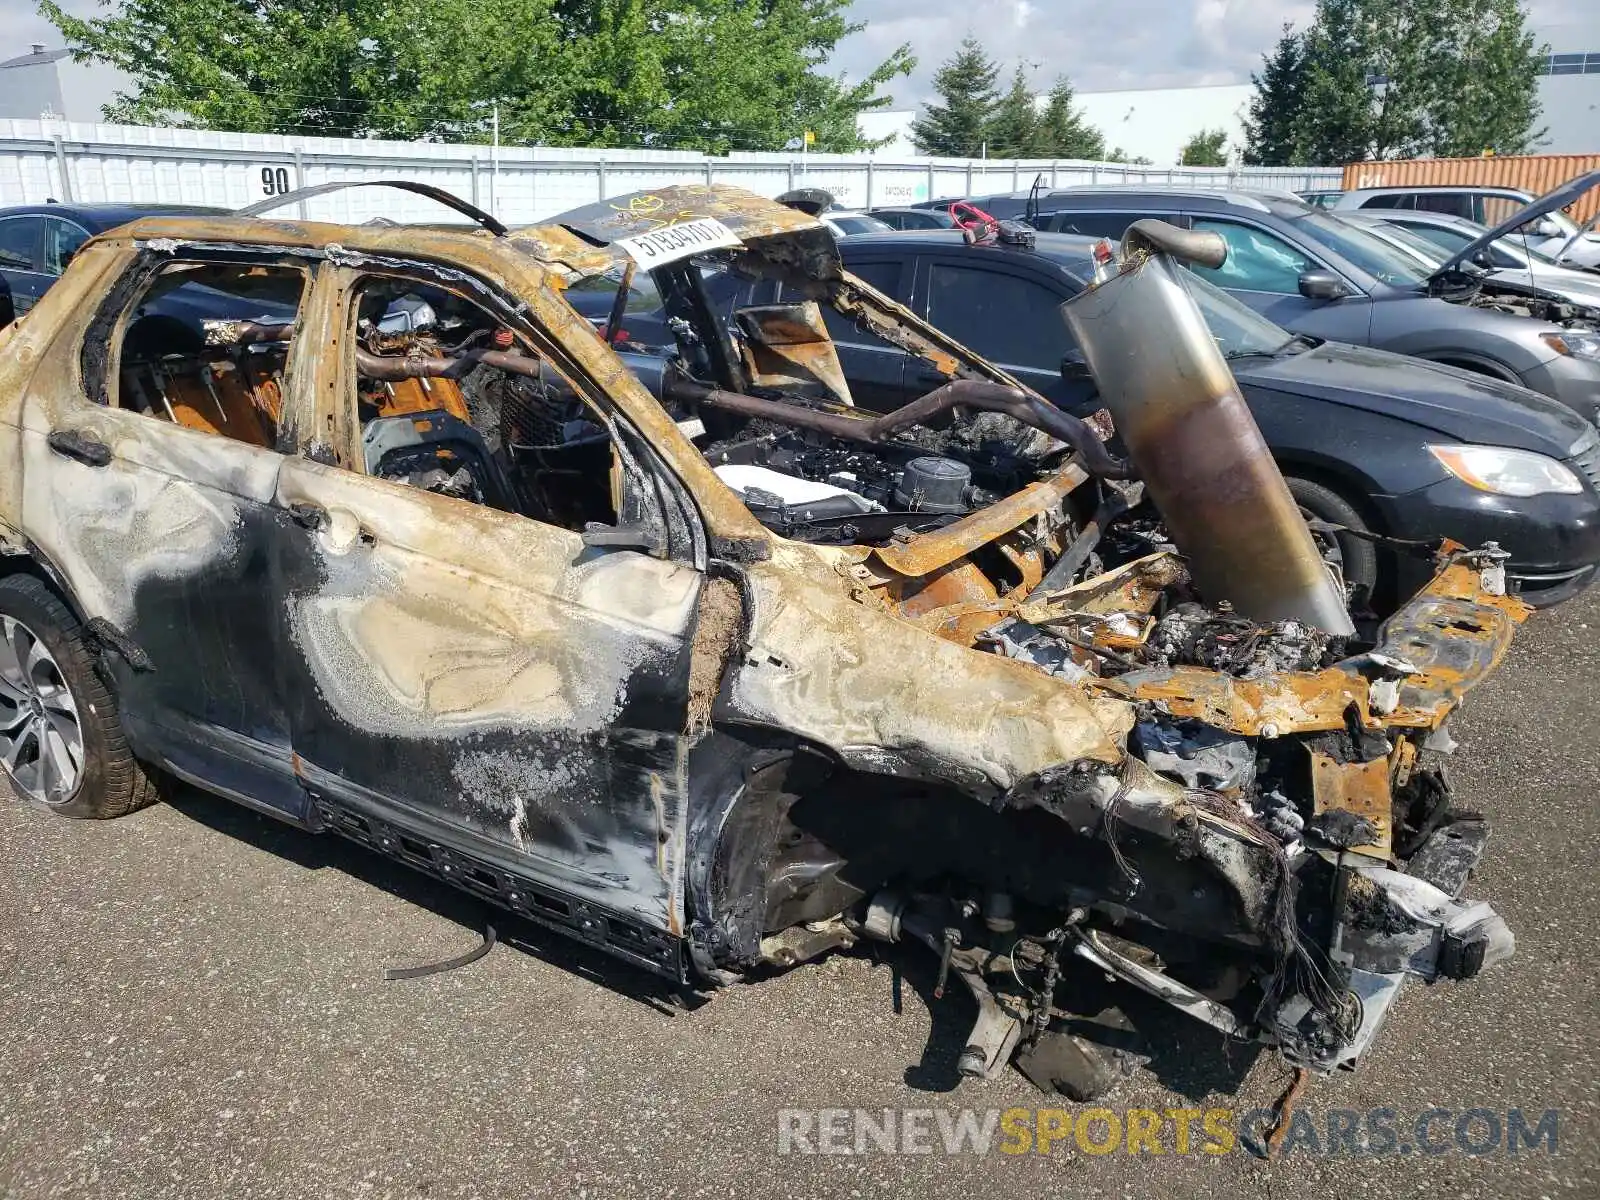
192, 1004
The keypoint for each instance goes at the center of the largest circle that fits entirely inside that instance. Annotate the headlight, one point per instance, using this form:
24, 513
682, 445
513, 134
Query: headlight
1507, 472
1573, 344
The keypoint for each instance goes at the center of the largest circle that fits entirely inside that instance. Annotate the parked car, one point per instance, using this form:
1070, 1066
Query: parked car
426, 567
644, 323
1514, 254
37, 241
914, 218
1555, 234
847, 222
1541, 280
1312, 272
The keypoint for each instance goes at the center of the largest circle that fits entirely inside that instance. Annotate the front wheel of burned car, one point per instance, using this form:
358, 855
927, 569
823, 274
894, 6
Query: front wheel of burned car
61, 741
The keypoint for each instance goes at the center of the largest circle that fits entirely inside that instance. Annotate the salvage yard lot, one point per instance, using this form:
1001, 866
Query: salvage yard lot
192, 1004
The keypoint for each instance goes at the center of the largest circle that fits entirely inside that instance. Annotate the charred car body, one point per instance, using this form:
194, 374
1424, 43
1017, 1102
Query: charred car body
725, 683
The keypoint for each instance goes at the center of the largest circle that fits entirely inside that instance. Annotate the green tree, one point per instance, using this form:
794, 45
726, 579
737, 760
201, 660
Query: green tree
714, 74
1208, 148
1062, 131
959, 126
1488, 89
1402, 78
694, 74
1274, 109
1013, 130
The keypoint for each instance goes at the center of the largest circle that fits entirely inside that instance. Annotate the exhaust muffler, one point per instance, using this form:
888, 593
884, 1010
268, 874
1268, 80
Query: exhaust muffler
1192, 438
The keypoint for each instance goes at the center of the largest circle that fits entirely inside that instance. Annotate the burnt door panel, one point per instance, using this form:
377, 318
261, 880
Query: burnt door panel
487, 679
150, 486
166, 534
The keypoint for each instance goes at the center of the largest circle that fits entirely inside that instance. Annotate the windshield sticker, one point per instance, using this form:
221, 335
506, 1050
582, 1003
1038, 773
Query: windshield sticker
672, 242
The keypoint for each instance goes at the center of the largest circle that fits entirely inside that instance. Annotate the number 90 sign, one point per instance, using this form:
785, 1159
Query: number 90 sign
271, 181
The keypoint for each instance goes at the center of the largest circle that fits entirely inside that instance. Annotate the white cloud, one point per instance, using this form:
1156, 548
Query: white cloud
1100, 46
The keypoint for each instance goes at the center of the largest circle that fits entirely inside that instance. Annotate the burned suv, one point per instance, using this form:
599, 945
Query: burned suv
727, 681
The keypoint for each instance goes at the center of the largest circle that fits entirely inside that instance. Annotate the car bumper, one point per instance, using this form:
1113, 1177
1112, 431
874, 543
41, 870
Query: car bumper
1575, 382
1553, 541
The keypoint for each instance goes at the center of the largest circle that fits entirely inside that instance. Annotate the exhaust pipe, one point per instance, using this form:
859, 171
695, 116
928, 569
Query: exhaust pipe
1192, 438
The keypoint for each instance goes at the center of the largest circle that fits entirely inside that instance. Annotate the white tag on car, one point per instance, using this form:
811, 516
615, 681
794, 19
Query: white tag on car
680, 240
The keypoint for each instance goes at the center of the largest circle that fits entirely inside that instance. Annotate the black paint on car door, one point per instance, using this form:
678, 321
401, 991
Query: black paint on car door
1006, 312
19, 261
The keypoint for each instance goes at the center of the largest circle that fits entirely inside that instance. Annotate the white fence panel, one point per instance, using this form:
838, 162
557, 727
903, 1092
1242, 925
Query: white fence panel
41, 160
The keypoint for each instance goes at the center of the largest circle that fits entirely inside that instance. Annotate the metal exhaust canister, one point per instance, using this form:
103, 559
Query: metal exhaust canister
1192, 438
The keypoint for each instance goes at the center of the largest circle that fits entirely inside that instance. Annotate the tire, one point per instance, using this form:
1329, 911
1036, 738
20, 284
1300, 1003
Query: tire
1359, 557
49, 692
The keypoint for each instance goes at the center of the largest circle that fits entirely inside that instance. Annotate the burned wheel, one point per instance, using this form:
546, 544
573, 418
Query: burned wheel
61, 742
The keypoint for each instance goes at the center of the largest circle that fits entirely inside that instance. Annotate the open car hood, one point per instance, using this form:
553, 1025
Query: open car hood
1560, 197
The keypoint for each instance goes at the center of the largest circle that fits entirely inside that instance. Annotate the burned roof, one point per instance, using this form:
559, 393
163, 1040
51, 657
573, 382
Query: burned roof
660, 226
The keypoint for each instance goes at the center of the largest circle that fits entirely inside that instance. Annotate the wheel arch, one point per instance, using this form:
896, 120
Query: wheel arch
25, 558
1349, 486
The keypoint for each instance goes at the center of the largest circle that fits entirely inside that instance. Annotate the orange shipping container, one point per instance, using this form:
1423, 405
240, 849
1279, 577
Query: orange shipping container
1534, 174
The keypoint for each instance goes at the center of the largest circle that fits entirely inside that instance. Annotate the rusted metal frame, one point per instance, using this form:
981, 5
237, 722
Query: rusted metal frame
1453, 609
141, 264
1434, 631
1273, 706
872, 310
958, 393
836, 422
1360, 789
1133, 587
333, 434
628, 444
394, 367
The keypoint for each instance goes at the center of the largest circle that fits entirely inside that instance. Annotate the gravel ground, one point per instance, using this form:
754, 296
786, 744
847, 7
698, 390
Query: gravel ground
192, 1004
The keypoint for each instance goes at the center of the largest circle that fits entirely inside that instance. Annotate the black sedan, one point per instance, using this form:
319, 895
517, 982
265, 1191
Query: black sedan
1370, 440
38, 240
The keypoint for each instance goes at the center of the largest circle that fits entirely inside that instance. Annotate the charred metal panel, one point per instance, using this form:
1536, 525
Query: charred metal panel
166, 534
883, 694
490, 669
789, 347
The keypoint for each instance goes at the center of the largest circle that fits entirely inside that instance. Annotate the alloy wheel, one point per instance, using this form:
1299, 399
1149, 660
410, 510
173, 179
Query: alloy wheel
41, 738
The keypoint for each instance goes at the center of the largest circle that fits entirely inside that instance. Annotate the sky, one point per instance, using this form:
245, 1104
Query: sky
1110, 45
1101, 45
